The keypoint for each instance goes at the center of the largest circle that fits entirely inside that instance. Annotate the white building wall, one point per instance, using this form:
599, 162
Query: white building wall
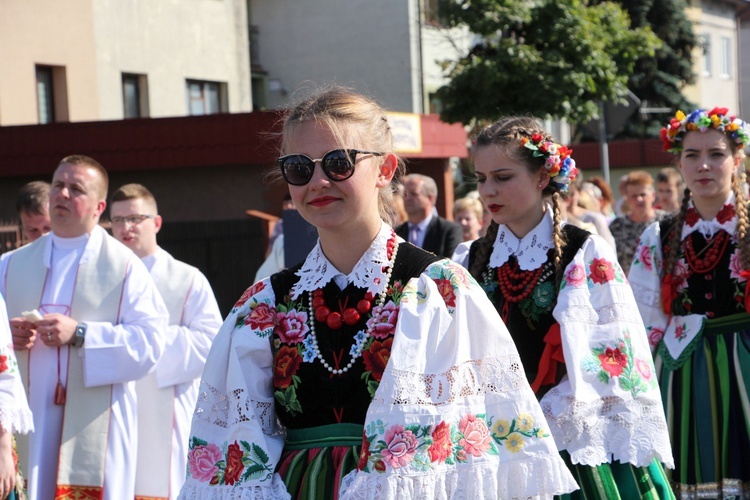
716, 19
171, 41
440, 45
744, 69
363, 44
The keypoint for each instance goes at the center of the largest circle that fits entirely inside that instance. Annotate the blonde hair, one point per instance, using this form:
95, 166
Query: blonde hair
349, 115
472, 204
507, 133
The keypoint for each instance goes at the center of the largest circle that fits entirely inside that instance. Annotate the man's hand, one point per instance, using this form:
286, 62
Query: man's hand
24, 333
56, 329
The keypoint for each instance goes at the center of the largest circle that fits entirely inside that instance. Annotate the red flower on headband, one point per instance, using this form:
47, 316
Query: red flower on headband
718, 111
536, 137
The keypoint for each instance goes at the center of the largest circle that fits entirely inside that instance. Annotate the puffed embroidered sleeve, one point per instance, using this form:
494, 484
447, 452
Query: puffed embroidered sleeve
454, 416
644, 277
15, 415
608, 405
235, 443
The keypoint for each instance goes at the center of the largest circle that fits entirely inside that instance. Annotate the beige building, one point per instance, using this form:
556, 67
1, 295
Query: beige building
88, 60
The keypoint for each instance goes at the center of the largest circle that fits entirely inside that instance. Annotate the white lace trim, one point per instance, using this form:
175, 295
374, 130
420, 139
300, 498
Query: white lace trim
530, 478
709, 227
17, 420
224, 410
201, 491
609, 428
530, 251
472, 378
368, 273
611, 313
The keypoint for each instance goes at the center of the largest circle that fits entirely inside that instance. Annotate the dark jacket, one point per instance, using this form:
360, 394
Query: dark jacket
442, 236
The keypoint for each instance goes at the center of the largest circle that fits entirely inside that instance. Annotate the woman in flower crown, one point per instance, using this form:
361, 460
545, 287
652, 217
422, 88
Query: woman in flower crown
691, 278
373, 369
571, 314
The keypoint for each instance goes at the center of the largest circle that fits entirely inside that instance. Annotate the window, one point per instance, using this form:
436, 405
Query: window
726, 57
432, 12
706, 46
206, 98
134, 95
51, 94
44, 96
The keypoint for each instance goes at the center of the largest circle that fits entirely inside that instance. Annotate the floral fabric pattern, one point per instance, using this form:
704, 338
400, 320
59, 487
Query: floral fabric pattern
618, 361
421, 447
232, 464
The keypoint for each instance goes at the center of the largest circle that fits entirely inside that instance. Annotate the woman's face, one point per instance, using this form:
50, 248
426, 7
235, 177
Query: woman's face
348, 205
470, 224
707, 164
511, 193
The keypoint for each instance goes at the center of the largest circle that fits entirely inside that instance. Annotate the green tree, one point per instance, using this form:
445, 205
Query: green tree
545, 57
659, 80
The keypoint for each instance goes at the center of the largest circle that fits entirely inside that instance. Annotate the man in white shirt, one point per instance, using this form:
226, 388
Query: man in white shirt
87, 322
167, 396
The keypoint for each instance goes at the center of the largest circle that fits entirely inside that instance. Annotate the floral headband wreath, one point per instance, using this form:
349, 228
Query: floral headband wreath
735, 129
560, 166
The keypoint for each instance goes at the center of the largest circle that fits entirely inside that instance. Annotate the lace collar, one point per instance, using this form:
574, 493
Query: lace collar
530, 251
726, 219
368, 273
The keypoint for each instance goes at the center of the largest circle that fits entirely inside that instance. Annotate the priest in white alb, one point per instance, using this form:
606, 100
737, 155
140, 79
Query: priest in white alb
168, 395
87, 321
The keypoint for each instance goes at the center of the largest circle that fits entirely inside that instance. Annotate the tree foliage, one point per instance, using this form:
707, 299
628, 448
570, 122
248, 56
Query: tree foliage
661, 78
544, 57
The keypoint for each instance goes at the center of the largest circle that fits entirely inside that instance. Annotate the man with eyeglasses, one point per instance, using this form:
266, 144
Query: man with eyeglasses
167, 396
425, 228
87, 322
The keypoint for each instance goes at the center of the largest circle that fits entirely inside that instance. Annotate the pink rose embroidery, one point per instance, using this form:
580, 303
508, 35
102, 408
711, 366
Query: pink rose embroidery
679, 332
602, 271
446, 291
655, 335
680, 275
202, 462
476, 435
291, 326
401, 446
383, 320
735, 266
575, 276
645, 257
644, 368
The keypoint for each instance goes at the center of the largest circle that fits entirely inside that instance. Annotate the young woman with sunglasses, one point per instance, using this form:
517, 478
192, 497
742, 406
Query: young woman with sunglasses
572, 315
373, 369
691, 277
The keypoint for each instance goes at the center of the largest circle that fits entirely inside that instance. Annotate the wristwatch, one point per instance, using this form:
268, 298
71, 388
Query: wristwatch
80, 335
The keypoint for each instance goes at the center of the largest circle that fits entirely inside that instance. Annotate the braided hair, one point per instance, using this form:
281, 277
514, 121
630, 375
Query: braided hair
508, 133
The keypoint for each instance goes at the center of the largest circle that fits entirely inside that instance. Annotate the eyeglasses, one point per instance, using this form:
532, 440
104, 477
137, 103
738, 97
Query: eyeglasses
133, 220
338, 165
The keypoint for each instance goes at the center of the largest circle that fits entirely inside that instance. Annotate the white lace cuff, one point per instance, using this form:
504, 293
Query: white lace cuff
609, 428
17, 420
197, 491
542, 476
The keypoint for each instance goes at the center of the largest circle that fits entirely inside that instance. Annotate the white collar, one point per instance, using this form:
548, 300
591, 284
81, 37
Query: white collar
92, 244
368, 272
530, 251
708, 228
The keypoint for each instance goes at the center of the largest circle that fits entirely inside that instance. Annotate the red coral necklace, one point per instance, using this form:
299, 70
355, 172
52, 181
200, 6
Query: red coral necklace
350, 315
714, 249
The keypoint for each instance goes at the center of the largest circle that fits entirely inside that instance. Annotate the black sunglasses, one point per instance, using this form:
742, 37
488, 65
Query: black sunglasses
338, 165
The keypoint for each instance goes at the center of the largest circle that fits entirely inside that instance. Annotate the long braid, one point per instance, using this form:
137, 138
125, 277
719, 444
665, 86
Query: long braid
675, 236
742, 223
559, 238
482, 257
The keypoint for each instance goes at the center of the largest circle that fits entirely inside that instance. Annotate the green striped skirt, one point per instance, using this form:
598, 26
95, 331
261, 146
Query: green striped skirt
706, 402
316, 459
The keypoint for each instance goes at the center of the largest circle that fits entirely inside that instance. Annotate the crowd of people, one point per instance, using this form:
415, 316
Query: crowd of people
549, 341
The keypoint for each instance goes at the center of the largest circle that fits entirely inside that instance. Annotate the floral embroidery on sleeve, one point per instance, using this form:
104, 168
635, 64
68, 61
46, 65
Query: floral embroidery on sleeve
645, 256
419, 446
610, 362
574, 277
231, 464
602, 271
449, 277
